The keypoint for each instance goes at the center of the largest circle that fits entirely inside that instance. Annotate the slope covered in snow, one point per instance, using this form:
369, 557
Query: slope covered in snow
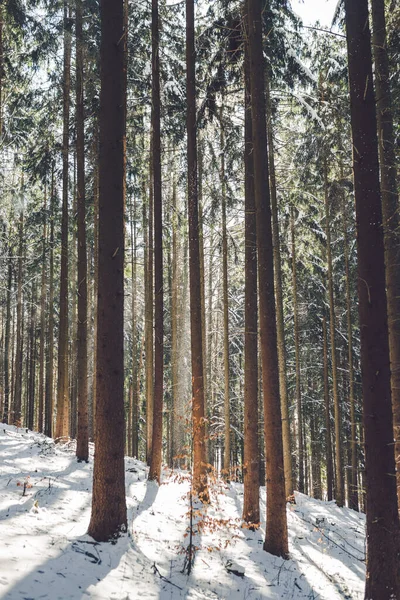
46, 554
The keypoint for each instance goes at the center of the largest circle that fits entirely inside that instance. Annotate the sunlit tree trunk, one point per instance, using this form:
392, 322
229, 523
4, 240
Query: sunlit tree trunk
199, 454
276, 540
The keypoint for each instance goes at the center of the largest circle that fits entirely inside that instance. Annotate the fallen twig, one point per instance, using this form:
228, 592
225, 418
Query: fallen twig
156, 571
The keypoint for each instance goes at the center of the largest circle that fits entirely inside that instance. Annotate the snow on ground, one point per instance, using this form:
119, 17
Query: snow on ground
45, 552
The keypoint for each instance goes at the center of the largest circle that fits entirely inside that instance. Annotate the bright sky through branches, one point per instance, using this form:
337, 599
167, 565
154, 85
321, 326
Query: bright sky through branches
311, 11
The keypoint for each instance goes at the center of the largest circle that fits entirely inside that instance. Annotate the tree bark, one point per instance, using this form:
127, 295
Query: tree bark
42, 340
339, 488
32, 359
62, 421
135, 358
225, 304
390, 208
17, 408
82, 441
199, 454
108, 518
276, 540
300, 440
6, 409
329, 465
48, 428
251, 500
156, 452
353, 492
149, 322
280, 328
383, 550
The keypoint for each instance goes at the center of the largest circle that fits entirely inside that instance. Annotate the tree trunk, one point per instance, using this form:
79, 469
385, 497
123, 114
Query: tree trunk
300, 442
6, 409
82, 441
32, 360
1, 69
199, 454
353, 492
339, 488
135, 358
156, 452
149, 322
390, 205
50, 333
203, 303
225, 301
62, 422
251, 501
382, 580
95, 285
276, 540
108, 518
42, 340
176, 424
280, 328
17, 409
329, 465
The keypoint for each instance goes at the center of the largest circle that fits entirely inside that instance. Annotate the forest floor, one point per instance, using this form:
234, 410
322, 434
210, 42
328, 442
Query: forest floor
46, 554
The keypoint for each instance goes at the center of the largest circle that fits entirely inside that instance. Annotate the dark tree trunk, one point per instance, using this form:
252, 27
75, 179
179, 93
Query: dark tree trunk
156, 453
276, 540
390, 208
108, 518
82, 441
251, 501
382, 516
199, 451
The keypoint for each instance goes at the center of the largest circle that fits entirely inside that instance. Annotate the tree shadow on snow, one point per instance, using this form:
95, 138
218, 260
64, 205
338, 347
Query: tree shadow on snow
149, 498
79, 570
